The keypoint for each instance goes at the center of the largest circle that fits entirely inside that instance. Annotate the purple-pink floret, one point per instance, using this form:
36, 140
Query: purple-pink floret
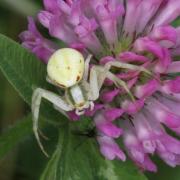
137, 32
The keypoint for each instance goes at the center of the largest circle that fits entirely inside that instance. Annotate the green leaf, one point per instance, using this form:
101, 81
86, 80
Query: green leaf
25, 72
21, 68
165, 172
17, 133
28, 150
78, 158
14, 135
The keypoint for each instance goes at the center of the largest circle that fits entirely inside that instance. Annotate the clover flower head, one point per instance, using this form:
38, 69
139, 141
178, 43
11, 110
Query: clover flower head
133, 32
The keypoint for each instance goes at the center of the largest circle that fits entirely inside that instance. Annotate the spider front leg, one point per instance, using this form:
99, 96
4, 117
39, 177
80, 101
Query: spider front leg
86, 67
126, 66
36, 102
97, 77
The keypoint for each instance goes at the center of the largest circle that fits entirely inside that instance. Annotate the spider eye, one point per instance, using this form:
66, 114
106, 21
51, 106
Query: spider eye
66, 67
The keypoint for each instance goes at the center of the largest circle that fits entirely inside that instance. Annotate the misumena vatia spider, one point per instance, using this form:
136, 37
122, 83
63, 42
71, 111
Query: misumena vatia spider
67, 70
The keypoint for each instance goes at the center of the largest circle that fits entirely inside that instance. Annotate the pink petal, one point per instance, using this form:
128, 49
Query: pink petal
113, 113
132, 107
108, 96
143, 91
166, 35
110, 149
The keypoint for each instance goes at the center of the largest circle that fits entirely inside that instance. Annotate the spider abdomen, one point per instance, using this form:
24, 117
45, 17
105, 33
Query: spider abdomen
66, 67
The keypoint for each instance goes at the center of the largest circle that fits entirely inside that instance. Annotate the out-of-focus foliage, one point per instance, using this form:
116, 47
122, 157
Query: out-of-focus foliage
12, 136
12, 22
24, 7
176, 23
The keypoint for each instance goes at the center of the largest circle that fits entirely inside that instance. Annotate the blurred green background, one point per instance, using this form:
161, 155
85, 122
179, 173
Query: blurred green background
26, 162
23, 162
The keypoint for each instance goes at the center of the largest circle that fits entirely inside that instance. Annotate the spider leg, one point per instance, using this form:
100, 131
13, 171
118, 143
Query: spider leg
43, 135
95, 83
97, 76
36, 101
61, 111
119, 83
86, 68
126, 66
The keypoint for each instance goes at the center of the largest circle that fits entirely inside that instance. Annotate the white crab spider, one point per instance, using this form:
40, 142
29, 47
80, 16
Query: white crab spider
67, 70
